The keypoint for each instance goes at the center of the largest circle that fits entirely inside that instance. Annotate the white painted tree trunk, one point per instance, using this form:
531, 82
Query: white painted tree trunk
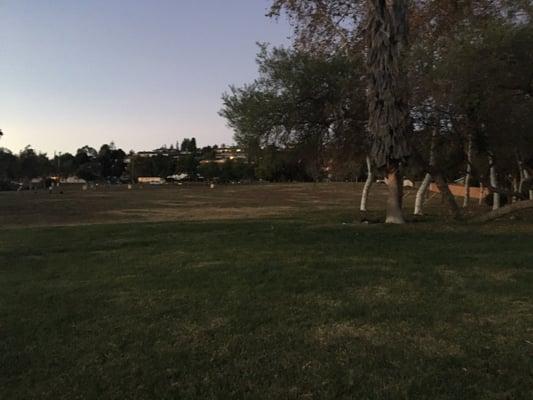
522, 175
468, 175
494, 183
394, 200
422, 190
515, 188
368, 184
421, 194
526, 176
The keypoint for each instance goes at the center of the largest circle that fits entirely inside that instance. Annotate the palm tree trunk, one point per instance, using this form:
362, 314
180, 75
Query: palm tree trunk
389, 121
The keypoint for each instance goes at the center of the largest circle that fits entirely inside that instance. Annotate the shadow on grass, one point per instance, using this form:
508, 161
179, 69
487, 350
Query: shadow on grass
306, 307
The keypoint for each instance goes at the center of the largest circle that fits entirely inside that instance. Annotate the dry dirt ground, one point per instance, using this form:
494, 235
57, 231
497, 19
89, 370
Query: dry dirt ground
110, 204
70, 205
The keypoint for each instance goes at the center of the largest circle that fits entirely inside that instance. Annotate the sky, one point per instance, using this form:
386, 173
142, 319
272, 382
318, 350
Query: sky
141, 73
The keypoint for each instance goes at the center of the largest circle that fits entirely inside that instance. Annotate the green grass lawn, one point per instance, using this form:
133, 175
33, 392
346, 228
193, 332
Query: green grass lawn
300, 308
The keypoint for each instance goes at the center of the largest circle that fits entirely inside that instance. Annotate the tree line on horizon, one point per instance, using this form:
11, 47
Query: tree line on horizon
112, 164
108, 163
435, 90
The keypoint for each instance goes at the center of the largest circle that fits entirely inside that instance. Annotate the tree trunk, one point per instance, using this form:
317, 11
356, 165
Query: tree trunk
494, 183
421, 195
394, 200
515, 188
526, 177
523, 175
389, 115
368, 184
447, 195
481, 190
508, 209
422, 190
468, 175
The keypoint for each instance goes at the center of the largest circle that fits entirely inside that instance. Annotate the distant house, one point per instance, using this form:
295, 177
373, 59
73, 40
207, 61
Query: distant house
163, 151
230, 153
223, 154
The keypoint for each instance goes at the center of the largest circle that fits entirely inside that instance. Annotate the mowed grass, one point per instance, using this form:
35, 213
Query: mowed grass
306, 306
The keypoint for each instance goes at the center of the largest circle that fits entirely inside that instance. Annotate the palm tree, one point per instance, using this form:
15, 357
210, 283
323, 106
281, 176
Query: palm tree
389, 122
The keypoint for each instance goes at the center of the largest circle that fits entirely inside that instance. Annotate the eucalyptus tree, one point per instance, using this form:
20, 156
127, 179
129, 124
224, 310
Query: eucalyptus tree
485, 73
312, 104
470, 65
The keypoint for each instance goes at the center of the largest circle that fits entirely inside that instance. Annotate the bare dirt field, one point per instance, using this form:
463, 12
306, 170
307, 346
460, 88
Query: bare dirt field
174, 203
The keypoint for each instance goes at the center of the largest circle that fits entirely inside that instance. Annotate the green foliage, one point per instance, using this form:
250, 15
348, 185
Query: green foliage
468, 66
159, 165
210, 170
33, 165
8, 165
188, 164
300, 101
228, 171
90, 171
283, 165
111, 161
484, 82
189, 145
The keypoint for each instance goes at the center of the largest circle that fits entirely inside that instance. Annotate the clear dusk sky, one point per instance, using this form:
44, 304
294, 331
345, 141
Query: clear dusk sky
139, 72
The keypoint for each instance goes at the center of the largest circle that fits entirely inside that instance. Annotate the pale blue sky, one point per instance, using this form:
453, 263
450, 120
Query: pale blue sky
139, 72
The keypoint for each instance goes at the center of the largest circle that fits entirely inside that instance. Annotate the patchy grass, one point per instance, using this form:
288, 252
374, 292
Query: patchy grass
297, 306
